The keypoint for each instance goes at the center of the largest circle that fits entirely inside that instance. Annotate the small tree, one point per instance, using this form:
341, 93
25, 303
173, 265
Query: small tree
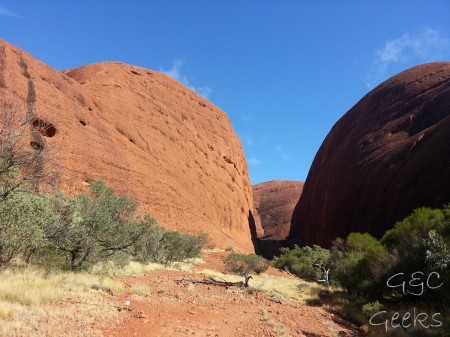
178, 246
309, 263
22, 152
23, 217
361, 264
158, 244
245, 264
96, 227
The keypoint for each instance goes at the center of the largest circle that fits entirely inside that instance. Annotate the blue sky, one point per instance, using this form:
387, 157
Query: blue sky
284, 71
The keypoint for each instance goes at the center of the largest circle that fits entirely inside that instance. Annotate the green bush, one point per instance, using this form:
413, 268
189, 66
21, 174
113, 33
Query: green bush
437, 254
149, 248
23, 218
372, 308
96, 227
361, 263
245, 264
160, 245
407, 236
301, 261
422, 242
178, 247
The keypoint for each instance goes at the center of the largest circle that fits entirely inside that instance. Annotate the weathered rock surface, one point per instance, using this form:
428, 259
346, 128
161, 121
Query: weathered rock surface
386, 156
273, 203
143, 133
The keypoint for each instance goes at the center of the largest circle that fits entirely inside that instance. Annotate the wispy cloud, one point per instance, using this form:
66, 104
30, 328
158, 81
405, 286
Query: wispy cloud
176, 72
6, 12
254, 161
283, 154
204, 91
246, 139
245, 117
426, 46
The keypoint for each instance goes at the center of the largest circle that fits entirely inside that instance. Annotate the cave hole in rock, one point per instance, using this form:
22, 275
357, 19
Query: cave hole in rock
44, 128
36, 145
82, 122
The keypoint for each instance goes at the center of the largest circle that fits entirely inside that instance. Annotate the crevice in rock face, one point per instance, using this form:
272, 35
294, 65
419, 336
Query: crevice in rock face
82, 122
36, 145
44, 128
230, 161
123, 133
253, 233
2, 67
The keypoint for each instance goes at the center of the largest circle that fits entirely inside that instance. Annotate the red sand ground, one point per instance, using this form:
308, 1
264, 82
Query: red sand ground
173, 309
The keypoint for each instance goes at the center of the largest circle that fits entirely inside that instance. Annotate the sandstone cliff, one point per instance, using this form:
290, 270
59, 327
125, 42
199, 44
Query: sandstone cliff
386, 156
143, 133
274, 202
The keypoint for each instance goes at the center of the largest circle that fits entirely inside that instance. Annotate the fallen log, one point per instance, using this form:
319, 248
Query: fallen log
211, 281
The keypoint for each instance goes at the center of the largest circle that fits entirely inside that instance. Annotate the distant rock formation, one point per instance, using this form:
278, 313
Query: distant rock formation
386, 156
273, 204
143, 133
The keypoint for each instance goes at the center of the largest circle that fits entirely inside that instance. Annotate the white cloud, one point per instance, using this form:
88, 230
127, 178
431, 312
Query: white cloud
176, 73
426, 46
204, 91
245, 117
283, 154
246, 139
254, 161
6, 12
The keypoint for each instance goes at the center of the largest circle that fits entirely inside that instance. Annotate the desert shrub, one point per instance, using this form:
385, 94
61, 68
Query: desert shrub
437, 254
23, 217
149, 247
361, 263
96, 227
158, 244
245, 264
178, 246
418, 243
302, 261
370, 309
422, 243
407, 236
49, 259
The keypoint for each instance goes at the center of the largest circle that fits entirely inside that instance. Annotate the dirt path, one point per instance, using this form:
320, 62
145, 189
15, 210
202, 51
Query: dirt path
171, 309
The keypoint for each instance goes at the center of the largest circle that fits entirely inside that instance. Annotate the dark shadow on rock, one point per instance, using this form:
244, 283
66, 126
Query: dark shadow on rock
271, 248
253, 233
311, 334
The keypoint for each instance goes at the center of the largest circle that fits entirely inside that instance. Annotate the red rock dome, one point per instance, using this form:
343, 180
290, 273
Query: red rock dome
386, 156
146, 135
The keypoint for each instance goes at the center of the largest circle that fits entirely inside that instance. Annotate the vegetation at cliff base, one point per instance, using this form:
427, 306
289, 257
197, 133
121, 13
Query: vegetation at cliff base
77, 232
383, 279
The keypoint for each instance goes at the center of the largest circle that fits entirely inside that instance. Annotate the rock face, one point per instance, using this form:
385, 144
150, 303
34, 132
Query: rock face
274, 202
143, 133
386, 156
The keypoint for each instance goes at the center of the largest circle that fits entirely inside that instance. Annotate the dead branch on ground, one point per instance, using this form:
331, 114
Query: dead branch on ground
211, 281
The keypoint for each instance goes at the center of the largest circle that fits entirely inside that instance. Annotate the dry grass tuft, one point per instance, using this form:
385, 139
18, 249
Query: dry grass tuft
140, 290
34, 303
134, 268
29, 287
279, 328
7, 309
